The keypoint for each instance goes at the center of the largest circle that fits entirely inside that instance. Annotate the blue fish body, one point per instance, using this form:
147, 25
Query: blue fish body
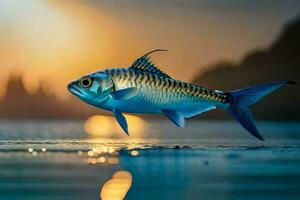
143, 88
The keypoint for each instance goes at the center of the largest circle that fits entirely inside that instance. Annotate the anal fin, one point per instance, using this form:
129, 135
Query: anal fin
175, 116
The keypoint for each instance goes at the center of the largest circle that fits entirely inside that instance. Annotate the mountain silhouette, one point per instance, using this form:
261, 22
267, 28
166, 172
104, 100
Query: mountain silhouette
281, 61
18, 104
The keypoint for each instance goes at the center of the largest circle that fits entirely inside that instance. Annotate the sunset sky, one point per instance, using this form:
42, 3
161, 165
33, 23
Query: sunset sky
56, 41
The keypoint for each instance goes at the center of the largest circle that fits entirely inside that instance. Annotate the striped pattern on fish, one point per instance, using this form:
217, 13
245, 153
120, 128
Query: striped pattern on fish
166, 88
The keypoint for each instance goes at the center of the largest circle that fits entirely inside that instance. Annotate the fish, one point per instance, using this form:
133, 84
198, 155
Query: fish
144, 88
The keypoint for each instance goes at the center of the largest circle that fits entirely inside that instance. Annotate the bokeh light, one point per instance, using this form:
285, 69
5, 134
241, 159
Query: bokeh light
108, 127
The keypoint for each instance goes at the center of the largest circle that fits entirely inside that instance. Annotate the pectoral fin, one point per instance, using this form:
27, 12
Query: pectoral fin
124, 93
121, 120
175, 117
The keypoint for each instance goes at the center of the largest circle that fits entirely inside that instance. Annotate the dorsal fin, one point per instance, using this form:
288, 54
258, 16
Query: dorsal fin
144, 63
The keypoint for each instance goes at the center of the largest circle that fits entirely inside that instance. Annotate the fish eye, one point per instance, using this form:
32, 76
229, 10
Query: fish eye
86, 82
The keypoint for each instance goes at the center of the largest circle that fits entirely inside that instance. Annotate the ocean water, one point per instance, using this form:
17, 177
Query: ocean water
61, 159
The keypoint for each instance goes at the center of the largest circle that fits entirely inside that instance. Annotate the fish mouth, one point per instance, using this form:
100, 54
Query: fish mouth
75, 90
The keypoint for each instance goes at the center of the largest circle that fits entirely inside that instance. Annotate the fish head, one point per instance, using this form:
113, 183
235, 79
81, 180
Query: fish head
93, 89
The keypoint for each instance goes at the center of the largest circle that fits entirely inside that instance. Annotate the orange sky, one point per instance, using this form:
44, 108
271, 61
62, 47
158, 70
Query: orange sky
57, 41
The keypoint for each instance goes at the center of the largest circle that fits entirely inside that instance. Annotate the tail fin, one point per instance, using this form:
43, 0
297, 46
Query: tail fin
240, 100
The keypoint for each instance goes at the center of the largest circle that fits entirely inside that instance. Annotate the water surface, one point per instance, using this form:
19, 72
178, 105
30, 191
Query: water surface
206, 160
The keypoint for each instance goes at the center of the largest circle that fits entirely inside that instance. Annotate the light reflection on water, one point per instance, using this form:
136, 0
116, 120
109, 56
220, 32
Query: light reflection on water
117, 187
102, 155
